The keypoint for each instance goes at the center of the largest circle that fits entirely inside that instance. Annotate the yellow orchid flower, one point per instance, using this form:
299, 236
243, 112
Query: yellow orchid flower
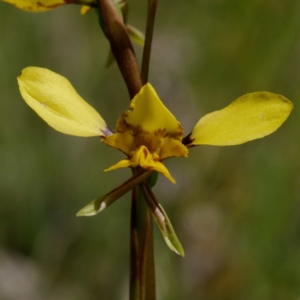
37, 5
148, 133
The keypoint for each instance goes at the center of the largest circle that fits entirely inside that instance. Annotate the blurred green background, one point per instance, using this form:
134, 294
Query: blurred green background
235, 209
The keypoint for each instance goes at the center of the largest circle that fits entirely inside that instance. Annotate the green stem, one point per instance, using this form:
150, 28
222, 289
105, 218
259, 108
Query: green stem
152, 4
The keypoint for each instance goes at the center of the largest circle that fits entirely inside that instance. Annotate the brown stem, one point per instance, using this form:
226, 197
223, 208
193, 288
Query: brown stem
147, 267
142, 279
134, 285
152, 4
121, 46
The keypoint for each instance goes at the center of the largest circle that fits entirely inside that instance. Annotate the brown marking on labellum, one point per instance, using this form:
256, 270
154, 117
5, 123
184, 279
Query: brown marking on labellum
145, 152
41, 5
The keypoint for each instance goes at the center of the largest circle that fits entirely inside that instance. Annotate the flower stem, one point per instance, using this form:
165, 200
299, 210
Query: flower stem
134, 285
147, 268
121, 46
142, 270
142, 277
152, 4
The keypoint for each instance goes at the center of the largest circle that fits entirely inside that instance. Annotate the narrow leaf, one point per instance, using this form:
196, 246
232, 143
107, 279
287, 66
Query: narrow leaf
136, 35
110, 59
102, 202
162, 220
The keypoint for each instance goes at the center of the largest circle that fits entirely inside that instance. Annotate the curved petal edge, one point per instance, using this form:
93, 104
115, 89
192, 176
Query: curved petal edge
55, 100
250, 117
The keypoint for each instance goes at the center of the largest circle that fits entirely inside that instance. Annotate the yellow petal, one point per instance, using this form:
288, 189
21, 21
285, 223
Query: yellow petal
146, 160
160, 167
55, 100
148, 114
36, 5
122, 141
250, 117
143, 158
85, 9
171, 148
121, 164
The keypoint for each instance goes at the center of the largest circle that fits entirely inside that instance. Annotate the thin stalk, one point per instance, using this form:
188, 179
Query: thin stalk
142, 274
142, 279
152, 4
147, 268
134, 284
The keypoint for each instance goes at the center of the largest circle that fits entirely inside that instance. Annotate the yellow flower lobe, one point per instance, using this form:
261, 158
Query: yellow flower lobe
250, 117
36, 5
148, 133
56, 101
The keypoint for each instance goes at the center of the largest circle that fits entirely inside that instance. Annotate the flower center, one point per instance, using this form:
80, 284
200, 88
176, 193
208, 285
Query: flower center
150, 140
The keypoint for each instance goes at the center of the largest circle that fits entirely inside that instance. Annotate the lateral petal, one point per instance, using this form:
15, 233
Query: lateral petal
55, 100
250, 117
121, 164
170, 148
122, 141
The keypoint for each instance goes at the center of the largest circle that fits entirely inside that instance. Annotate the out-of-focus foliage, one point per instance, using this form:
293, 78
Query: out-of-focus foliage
236, 210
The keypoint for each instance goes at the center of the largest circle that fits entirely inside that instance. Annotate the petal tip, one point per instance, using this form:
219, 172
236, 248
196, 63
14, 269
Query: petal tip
84, 213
